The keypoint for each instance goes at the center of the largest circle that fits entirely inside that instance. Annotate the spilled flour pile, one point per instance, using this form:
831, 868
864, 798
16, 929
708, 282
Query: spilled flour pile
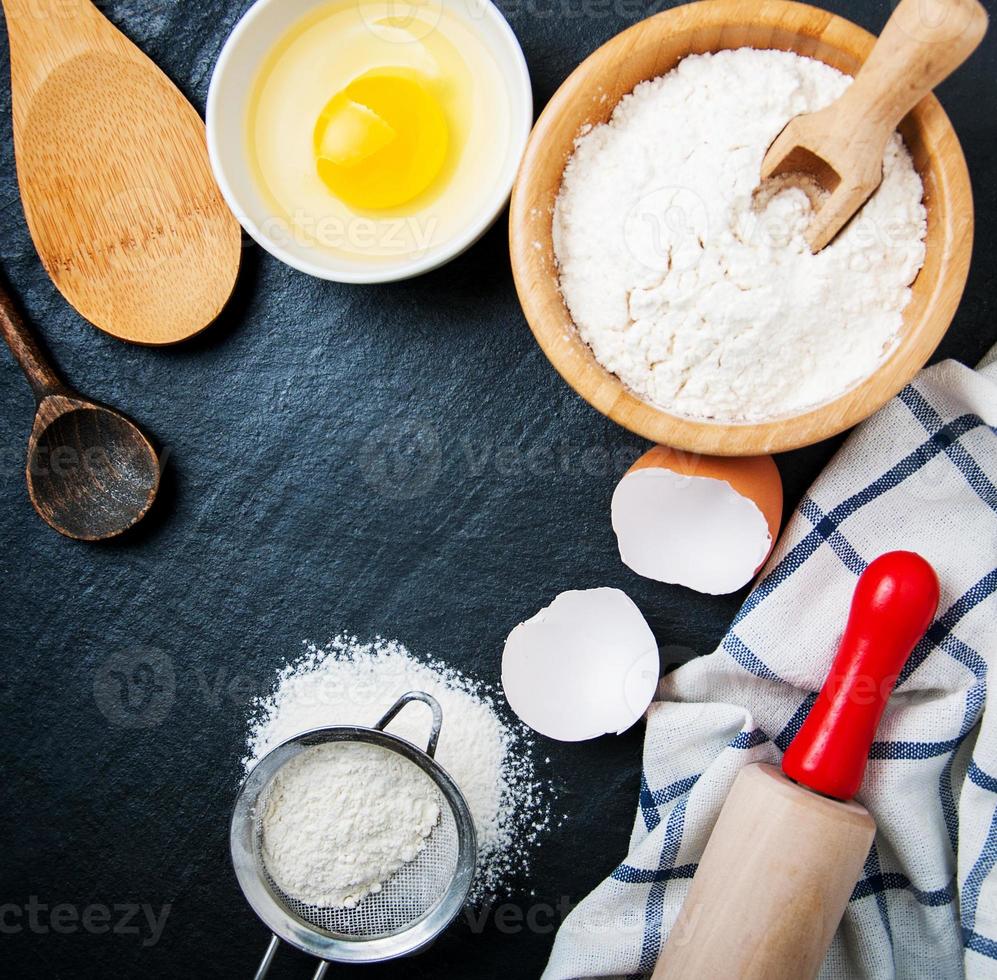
349, 682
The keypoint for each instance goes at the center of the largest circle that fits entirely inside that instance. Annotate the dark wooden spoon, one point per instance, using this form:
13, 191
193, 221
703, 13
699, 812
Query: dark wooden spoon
91, 473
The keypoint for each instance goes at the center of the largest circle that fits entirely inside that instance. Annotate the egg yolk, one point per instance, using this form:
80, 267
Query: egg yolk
381, 140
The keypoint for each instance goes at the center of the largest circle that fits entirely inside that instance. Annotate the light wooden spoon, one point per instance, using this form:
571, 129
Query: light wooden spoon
114, 175
839, 150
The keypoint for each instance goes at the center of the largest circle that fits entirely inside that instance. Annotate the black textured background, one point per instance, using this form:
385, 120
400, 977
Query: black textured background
397, 459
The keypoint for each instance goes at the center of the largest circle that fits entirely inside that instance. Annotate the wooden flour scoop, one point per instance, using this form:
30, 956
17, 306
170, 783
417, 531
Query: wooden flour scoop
836, 154
788, 847
113, 168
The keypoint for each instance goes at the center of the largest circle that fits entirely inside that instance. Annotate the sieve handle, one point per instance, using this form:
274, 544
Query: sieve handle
267, 961
434, 705
264, 967
434, 738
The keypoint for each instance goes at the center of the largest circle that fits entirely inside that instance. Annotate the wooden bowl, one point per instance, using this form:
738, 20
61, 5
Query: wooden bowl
650, 49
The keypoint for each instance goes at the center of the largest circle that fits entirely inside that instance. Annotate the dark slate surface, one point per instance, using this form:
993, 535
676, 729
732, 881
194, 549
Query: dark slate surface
395, 459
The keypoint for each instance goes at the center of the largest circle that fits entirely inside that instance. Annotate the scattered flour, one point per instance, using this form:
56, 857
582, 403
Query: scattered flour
342, 818
700, 303
349, 682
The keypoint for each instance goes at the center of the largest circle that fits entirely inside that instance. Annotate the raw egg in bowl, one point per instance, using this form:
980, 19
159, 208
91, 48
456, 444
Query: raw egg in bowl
368, 140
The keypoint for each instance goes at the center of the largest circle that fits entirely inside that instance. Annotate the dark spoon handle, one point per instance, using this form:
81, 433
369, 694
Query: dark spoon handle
42, 378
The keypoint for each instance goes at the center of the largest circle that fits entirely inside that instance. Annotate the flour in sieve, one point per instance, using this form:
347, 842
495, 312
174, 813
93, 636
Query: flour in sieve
342, 818
491, 760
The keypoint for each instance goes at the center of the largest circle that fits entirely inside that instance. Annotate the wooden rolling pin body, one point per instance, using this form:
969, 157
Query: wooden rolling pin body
772, 884
789, 844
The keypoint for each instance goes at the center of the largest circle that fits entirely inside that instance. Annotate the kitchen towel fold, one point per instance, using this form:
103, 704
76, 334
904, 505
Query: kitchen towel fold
920, 475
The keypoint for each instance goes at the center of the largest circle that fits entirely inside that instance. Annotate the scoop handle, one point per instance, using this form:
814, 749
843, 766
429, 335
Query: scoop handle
924, 41
40, 374
894, 603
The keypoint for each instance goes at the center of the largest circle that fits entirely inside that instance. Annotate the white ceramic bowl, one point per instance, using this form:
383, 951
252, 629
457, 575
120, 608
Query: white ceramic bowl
262, 26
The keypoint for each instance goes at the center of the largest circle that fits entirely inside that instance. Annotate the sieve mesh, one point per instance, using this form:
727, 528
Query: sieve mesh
408, 896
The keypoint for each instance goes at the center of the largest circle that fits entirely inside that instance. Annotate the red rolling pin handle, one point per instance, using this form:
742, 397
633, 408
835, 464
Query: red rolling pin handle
894, 603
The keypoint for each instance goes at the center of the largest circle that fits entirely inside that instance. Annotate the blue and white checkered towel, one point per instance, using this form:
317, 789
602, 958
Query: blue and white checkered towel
920, 475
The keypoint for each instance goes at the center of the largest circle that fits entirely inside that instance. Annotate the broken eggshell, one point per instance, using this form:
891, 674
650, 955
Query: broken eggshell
706, 522
585, 666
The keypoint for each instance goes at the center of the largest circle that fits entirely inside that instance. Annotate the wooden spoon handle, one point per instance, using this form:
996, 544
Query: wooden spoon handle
43, 34
42, 378
40, 14
922, 44
45, 21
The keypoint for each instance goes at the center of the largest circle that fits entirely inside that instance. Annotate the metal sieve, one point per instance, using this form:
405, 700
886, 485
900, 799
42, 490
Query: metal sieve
414, 906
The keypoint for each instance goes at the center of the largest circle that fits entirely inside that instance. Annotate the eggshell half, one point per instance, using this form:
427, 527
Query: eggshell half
584, 666
706, 522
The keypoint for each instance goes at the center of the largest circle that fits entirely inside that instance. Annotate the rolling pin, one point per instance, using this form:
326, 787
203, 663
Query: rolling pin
790, 844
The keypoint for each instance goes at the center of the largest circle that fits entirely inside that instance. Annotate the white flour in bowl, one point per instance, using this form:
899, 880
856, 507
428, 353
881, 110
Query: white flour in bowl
702, 304
349, 682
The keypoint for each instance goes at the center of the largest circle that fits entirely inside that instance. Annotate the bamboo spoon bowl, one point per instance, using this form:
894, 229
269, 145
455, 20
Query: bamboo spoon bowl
650, 49
113, 169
